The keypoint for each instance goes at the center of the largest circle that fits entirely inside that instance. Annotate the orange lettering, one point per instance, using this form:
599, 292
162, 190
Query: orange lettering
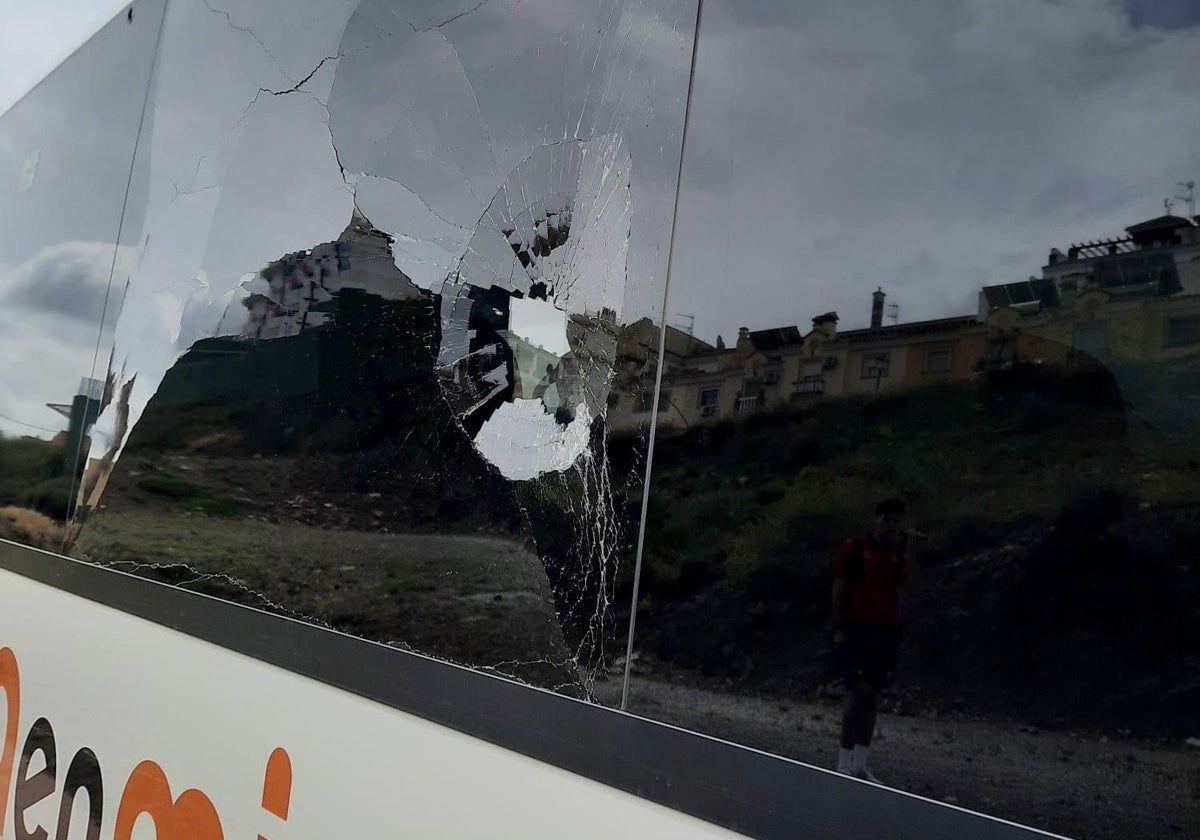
10, 682
277, 785
190, 817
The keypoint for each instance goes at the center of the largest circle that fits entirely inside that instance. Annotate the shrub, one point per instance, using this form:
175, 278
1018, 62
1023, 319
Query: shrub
220, 506
30, 527
169, 486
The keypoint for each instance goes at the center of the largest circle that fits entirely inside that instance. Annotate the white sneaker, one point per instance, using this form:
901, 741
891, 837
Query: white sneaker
866, 774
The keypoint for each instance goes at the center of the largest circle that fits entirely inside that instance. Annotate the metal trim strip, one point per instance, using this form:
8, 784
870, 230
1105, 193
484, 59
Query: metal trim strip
742, 789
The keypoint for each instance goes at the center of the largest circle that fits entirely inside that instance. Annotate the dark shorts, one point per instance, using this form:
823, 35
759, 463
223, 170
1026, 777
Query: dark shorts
870, 653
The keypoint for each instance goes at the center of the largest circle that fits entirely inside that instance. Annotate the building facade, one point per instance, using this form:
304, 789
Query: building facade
1133, 299
783, 368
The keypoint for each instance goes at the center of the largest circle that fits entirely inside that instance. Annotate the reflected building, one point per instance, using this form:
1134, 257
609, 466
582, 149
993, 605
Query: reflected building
297, 291
1133, 299
637, 349
782, 368
1131, 305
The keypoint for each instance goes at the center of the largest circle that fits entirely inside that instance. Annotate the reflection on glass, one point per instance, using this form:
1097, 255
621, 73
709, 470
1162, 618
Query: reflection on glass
67, 201
862, 307
557, 234
397, 283
386, 354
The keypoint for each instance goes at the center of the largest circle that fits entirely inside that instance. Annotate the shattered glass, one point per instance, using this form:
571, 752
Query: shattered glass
556, 233
389, 317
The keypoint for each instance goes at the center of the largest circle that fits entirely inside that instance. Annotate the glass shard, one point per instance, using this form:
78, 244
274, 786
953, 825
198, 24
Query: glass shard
375, 313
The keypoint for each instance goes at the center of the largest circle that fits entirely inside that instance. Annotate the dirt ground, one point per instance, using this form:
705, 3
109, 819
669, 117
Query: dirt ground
477, 600
1082, 786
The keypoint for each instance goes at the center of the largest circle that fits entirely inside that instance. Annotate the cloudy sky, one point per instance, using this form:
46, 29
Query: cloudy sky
37, 36
52, 289
930, 147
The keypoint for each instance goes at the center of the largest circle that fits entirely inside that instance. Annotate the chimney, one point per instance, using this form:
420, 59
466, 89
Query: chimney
826, 325
877, 298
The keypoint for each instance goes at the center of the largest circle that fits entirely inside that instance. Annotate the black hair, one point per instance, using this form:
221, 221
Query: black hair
890, 507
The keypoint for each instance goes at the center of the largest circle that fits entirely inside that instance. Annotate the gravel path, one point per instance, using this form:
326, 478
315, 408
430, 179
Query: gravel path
1082, 787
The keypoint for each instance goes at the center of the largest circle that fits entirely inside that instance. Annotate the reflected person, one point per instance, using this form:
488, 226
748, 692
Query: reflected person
543, 386
870, 572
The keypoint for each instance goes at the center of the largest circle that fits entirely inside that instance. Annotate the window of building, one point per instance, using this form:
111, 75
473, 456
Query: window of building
771, 377
937, 361
708, 397
1182, 332
875, 365
811, 381
752, 396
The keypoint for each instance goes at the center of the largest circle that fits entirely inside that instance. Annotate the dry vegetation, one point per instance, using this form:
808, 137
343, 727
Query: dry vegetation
30, 527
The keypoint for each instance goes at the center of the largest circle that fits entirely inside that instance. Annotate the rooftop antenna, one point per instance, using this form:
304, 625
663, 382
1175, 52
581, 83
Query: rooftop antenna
1169, 205
894, 313
1189, 196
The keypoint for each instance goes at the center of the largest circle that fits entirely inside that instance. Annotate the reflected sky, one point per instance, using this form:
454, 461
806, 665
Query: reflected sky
65, 157
930, 149
36, 37
898, 169
833, 150
248, 97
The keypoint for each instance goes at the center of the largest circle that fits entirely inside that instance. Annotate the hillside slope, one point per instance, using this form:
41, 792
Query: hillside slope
1061, 582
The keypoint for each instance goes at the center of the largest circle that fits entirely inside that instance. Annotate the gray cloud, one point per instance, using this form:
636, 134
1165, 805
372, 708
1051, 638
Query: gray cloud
69, 280
922, 147
50, 308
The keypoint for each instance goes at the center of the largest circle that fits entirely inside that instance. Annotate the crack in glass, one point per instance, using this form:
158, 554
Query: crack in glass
403, 303
529, 319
